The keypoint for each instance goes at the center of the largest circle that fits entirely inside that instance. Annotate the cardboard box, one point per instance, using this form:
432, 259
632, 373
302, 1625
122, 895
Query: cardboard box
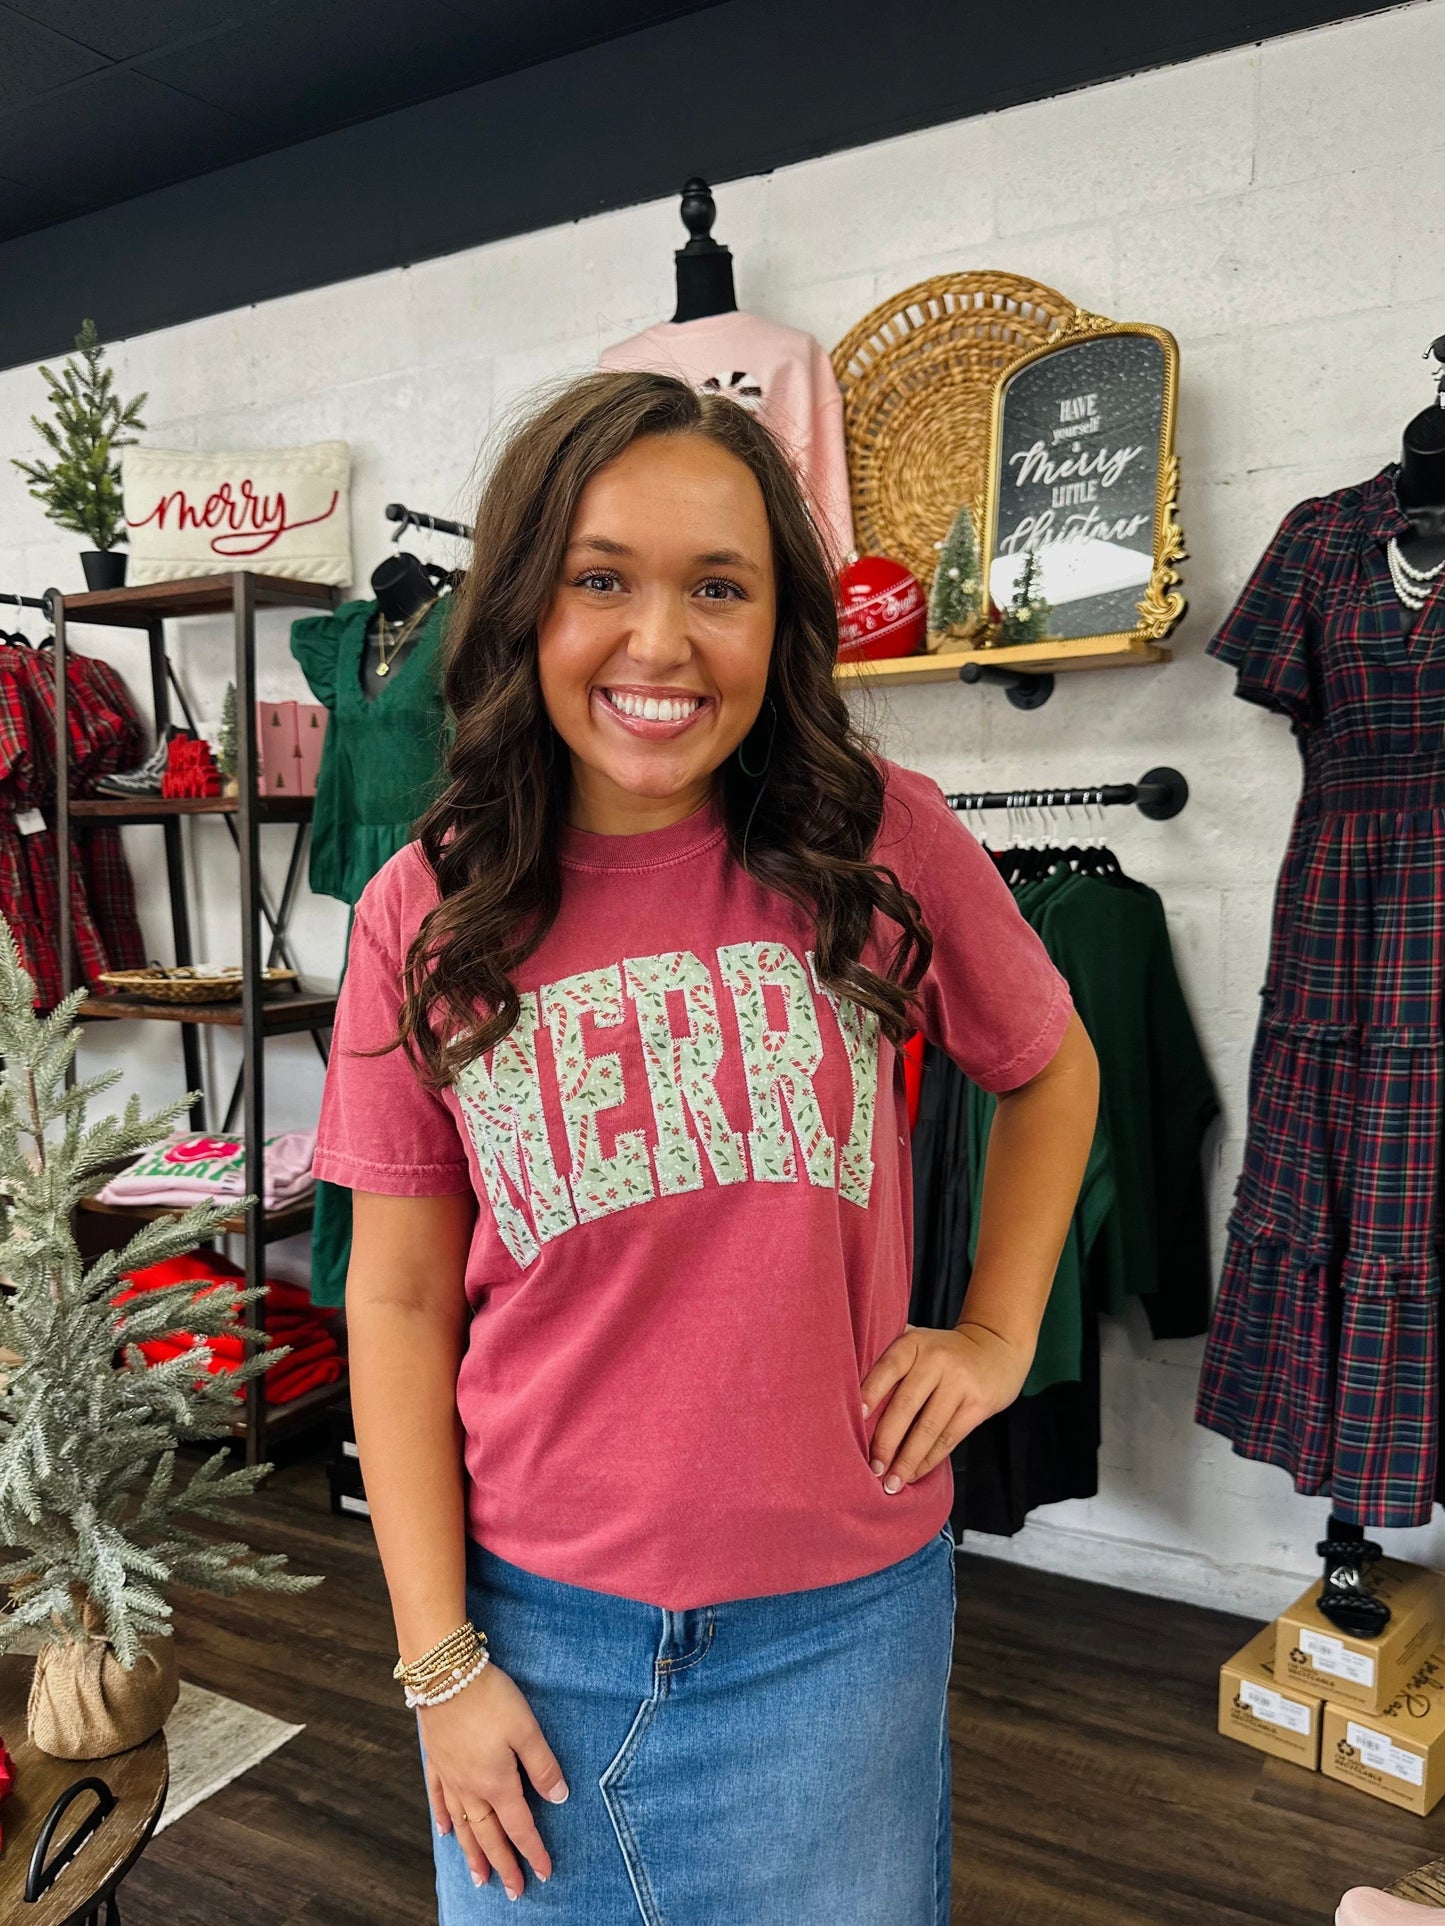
1254, 1710
1398, 1754
311, 732
278, 749
1312, 1654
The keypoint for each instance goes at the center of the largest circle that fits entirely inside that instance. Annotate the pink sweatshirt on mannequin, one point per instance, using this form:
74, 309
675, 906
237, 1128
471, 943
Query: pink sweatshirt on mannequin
781, 373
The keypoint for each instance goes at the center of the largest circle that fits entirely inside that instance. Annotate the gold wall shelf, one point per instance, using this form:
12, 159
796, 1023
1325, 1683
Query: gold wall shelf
1031, 658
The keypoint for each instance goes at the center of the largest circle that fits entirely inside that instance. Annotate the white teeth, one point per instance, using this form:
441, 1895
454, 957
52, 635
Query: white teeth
654, 708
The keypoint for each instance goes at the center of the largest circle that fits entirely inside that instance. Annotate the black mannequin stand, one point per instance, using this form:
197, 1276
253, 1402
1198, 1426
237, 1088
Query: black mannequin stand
1345, 1598
704, 266
402, 589
1421, 486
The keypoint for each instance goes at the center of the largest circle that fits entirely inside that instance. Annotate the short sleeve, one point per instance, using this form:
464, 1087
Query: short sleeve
1265, 637
991, 998
381, 1128
314, 642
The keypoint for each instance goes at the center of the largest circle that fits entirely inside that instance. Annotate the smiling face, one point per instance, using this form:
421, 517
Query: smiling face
653, 649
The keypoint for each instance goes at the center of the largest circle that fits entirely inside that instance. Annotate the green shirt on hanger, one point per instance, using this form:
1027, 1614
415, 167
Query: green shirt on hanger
1111, 940
382, 758
1058, 1357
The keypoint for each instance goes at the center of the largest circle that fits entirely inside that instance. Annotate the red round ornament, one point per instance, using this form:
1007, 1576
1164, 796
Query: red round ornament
882, 610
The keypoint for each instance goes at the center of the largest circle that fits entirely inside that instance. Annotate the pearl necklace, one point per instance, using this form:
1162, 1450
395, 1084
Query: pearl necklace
1412, 585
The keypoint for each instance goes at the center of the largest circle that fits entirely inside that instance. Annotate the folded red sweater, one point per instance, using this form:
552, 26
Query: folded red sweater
286, 1313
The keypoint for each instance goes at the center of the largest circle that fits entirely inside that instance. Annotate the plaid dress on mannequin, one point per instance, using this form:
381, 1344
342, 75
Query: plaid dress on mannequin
1324, 1355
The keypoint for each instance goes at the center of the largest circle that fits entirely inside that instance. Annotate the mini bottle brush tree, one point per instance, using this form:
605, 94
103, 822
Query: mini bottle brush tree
80, 488
226, 736
1026, 619
89, 1503
956, 597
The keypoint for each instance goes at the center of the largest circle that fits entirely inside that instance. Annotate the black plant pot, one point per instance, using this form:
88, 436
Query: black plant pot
104, 567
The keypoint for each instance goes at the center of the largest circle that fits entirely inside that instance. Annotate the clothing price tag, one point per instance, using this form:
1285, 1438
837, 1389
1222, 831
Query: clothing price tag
1381, 1755
28, 821
1328, 1654
1275, 1708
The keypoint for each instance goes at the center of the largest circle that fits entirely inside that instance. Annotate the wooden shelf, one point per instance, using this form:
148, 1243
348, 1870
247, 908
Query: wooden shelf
274, 1223
1031, 658
298, 1411
137, 608
279, 1014
150, 809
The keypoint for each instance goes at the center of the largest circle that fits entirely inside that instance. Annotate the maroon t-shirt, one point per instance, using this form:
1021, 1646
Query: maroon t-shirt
694, 1236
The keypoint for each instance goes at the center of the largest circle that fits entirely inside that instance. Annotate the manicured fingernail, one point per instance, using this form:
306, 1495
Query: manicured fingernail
541, 1876
514, 1895
890, 1484
865, 1411
478, 1879
876, 1466
557, 1794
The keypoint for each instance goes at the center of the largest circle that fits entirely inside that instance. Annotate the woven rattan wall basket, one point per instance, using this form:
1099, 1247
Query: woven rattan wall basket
917, 376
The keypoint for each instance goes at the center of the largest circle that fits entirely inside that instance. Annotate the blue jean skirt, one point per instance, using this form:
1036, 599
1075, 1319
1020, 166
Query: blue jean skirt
782, 1758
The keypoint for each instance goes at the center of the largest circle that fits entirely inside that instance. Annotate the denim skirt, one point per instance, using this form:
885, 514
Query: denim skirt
761, 1760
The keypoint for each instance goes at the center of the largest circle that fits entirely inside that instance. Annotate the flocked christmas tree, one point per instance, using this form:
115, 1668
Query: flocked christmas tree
80, 488
226, 738
956, 598
89, 1502
1026, 619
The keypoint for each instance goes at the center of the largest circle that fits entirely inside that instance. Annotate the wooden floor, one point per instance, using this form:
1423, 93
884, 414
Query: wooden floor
1090, 1787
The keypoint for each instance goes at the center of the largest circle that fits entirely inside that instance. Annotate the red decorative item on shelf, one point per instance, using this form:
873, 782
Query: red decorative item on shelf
190, 768
882, 610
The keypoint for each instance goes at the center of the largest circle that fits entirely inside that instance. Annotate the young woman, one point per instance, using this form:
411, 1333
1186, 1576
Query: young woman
615, 1081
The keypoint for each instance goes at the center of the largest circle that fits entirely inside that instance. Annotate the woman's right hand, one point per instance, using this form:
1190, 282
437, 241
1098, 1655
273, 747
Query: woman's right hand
474, 1744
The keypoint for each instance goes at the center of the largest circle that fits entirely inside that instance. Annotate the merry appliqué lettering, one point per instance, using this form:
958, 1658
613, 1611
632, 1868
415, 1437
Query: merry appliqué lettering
500, 1092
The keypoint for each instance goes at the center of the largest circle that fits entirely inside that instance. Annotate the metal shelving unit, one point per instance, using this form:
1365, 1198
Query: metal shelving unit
260, 1014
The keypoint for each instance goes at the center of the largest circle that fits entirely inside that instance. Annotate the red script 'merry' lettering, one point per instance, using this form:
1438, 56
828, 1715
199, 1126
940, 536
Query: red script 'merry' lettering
249, 522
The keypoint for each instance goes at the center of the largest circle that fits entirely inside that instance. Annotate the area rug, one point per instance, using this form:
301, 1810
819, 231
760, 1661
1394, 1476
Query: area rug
212, 1740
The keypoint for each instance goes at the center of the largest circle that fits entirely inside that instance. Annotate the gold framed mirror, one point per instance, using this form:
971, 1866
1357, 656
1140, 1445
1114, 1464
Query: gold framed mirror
1083, 477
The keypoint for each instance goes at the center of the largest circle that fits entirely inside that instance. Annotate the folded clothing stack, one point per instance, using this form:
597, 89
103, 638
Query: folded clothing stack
190, 767
286, 1312
186, 1170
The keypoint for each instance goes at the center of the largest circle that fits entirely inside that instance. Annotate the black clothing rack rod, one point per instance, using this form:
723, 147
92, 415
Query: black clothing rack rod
45, 603
413, 518
1158, 794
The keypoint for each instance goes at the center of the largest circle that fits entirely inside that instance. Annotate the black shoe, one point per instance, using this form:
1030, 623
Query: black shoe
145, 780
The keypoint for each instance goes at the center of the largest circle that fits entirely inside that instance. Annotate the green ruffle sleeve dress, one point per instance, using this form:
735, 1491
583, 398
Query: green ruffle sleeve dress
381, 766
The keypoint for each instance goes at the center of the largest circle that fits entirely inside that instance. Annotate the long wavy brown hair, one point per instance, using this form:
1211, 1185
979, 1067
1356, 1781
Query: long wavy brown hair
805, 827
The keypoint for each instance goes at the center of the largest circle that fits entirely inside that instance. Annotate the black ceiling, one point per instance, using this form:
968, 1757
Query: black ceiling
101, 100
164, 159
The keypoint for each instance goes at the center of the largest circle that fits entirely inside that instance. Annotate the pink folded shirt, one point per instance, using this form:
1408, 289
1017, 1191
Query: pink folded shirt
187, 1169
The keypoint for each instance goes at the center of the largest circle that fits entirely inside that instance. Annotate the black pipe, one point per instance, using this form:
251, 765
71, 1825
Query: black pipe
1158, 794
413, 518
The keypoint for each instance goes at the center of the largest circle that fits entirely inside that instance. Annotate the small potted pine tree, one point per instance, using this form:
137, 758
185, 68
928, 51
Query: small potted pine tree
80, 487
89, 1504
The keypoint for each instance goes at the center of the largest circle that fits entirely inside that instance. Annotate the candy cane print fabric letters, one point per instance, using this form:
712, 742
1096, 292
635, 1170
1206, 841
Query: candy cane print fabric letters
500, 1093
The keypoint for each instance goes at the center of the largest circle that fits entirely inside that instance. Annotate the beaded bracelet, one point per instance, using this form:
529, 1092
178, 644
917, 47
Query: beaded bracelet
444, 1665
459, 1679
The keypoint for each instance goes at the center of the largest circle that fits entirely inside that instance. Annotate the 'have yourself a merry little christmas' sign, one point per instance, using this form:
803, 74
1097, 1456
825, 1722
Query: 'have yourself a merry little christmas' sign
273, 511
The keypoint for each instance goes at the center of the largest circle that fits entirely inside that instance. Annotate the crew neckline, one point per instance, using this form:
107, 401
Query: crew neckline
643, 848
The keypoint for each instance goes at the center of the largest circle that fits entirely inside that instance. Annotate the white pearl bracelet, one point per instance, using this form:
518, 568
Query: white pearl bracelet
450, 1692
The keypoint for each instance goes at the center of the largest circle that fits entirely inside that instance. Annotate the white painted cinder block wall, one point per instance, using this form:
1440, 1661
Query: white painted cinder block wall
1272, 206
